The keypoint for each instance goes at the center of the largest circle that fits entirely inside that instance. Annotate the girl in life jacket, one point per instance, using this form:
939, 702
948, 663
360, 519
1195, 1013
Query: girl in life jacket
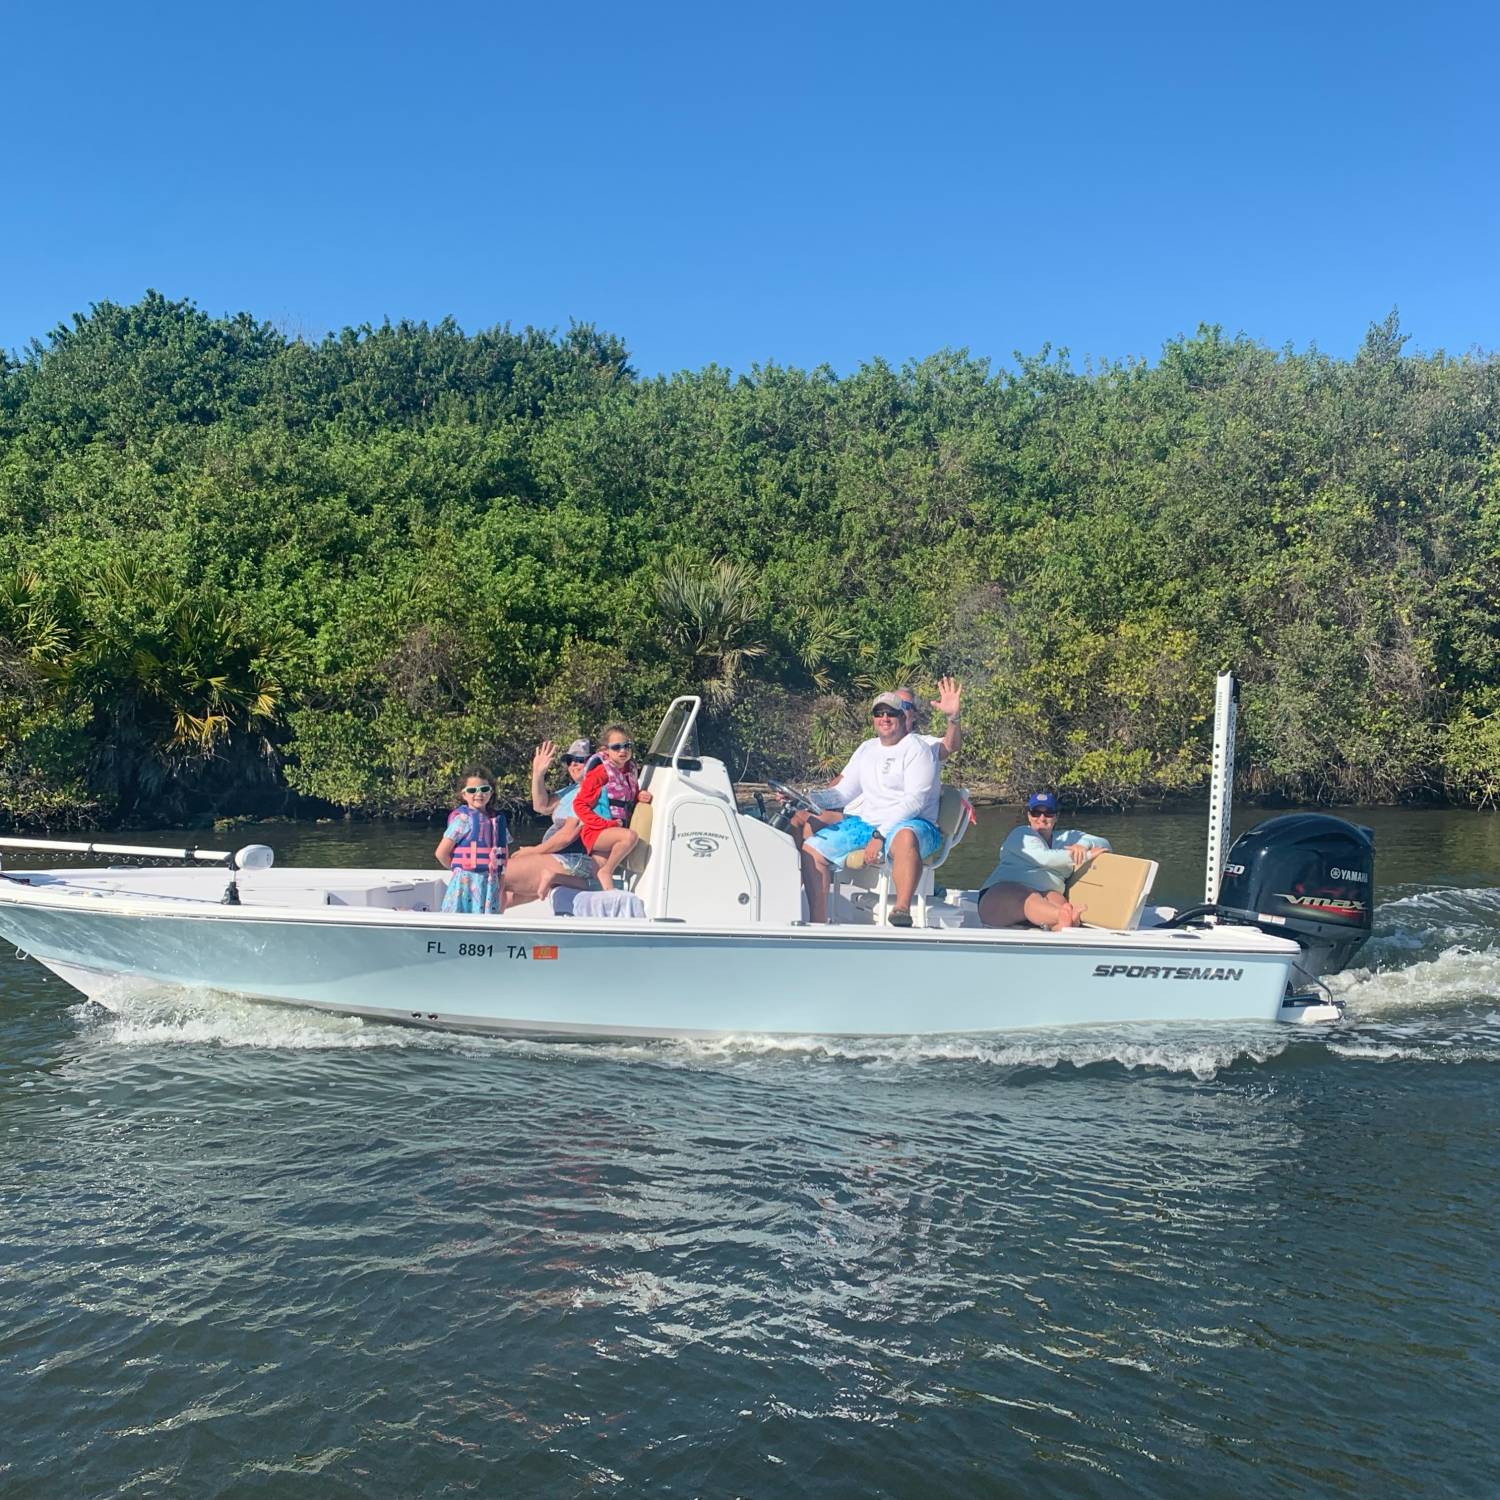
607, 796
474, 847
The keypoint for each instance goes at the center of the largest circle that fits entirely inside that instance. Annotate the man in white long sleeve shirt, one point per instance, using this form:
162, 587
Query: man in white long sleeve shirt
889, 793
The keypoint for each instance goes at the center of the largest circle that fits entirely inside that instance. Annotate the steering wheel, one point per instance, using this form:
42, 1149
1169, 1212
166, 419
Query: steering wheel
798, 800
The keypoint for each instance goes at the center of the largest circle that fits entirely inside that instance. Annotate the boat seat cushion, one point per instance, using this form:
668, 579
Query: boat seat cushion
640, 826
570, 903
640, 821
1113, 888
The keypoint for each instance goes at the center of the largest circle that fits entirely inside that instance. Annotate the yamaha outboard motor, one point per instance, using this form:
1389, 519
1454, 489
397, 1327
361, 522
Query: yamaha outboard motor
1313, 876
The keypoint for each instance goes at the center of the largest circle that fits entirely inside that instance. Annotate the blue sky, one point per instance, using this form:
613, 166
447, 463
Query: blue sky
801, 183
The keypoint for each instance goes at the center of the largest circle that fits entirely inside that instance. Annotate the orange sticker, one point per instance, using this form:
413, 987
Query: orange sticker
544, 952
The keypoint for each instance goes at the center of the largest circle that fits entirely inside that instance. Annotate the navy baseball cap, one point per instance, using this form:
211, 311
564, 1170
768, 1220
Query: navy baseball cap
1041, 802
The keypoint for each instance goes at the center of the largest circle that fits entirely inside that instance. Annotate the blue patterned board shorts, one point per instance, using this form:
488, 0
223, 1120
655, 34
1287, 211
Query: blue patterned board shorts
839, 841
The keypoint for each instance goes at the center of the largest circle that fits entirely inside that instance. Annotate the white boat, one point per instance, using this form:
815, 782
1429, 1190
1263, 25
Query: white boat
721, 946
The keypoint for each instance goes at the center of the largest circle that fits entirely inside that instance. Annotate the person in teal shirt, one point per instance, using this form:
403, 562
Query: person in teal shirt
559, 858
1028, 887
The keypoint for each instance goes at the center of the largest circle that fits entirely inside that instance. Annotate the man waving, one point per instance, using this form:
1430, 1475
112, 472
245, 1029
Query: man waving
889, 793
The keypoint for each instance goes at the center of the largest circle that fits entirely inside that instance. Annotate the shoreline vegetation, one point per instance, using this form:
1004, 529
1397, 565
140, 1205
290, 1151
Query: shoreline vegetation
243, 574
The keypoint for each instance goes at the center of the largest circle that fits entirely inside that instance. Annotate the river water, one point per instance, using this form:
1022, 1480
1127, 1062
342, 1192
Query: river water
257, 1252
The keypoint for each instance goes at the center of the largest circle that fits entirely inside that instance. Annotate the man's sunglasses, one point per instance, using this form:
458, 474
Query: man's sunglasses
887, 713
483, 787
1040, 812
623, 745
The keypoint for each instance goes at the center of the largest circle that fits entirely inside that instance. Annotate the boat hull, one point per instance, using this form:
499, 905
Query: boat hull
649, 979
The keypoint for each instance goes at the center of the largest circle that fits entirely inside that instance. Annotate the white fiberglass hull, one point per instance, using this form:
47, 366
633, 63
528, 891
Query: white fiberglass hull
529, 973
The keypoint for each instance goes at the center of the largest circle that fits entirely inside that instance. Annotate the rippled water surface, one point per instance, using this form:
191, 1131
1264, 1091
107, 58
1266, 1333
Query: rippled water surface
249, 1251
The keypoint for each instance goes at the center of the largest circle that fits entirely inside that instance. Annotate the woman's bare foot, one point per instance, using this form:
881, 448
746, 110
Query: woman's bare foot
1068, 915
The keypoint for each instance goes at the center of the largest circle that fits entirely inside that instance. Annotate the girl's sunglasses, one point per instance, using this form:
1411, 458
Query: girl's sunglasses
483, 789
622, 745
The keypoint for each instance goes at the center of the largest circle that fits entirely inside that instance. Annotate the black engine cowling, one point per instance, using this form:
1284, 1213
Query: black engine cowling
1313, 872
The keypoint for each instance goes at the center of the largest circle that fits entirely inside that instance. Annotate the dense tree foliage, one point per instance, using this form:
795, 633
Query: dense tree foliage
239, 570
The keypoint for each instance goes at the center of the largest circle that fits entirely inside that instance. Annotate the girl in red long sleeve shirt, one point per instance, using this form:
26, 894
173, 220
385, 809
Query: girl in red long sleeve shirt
607, 796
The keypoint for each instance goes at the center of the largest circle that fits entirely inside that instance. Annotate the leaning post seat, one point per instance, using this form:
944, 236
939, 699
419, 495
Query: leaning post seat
1112, 889
640, 826
955, 817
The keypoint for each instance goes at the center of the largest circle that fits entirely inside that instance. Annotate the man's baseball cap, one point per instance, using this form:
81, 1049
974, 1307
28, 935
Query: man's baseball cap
1041, 802
912, 704
888, 700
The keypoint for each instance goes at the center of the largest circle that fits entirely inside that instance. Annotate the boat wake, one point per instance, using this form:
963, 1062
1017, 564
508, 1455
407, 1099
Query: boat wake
1456, 976
1201, 1053
1428, 989
1428, 906
132, 1015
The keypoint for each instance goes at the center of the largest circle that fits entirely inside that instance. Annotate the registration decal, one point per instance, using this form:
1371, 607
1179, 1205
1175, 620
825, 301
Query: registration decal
436, 948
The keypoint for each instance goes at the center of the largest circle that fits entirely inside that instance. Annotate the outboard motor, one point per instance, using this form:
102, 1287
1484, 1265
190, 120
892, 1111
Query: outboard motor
1313, 874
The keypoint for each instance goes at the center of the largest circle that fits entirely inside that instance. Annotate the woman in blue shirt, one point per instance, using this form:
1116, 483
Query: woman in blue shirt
1028, 888
559, 858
